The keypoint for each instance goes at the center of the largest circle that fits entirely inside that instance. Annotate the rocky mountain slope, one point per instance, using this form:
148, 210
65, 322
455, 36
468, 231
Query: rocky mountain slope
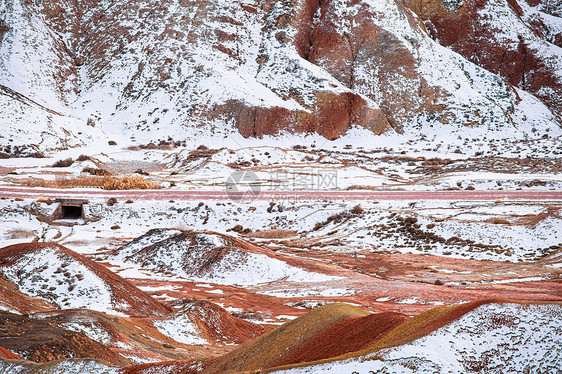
153, 70
518, 40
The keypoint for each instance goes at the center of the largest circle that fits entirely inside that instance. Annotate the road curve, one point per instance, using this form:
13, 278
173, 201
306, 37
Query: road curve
335, 195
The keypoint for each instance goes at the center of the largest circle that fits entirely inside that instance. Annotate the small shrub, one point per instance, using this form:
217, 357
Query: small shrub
96, 171
357, 209
500, 221
115, 227
112, 201
3, 27
273, 234
241, 230
36, 155
63, 163
83, 158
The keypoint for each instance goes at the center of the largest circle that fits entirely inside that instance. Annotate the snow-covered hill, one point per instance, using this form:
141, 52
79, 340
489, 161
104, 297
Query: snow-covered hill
152, 70
208, 257
69, 280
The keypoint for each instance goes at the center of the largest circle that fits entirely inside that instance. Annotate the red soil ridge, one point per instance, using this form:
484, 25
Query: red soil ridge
349, 335
220, 326
124, 293
4, 353
170, 367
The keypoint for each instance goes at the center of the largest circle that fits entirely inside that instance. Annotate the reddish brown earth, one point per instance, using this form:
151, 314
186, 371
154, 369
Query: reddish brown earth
333, 115
39, 341
4, 353
349, 335
171, 367
13, 300
291, 341
140, 304
217, 324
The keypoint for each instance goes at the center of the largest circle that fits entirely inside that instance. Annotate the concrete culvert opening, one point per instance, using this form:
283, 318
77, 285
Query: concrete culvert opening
70, 209
71, 212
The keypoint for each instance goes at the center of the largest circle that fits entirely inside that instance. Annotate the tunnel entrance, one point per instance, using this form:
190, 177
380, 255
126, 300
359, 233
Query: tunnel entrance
71, 212
69, 209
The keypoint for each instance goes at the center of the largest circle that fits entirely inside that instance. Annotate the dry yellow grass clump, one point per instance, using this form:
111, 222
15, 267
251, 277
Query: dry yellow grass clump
129, 183
107, 183
272, 234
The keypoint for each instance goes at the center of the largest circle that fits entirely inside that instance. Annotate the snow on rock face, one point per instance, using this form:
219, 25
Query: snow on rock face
69, 281
502, 338
33, 59
30, 127
513, 39
208, 257
181, 68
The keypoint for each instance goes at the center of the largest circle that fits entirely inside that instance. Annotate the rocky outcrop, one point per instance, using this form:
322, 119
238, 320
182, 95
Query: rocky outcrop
514, 39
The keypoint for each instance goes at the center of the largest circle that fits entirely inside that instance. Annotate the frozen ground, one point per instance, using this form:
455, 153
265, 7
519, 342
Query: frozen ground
500, 231
359, 160
374, 254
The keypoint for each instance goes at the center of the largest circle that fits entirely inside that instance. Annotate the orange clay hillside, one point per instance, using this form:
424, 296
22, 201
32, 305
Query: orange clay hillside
5, 354
325, 332
13, 300
406, 332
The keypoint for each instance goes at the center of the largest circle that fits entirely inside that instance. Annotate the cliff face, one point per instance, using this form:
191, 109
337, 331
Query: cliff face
153, 69
518, 40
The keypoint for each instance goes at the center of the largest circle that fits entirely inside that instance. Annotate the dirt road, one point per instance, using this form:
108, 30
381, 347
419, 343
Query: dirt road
355, 195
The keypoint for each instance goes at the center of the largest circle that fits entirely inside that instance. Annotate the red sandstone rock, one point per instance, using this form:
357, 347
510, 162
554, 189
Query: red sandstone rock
525, 60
